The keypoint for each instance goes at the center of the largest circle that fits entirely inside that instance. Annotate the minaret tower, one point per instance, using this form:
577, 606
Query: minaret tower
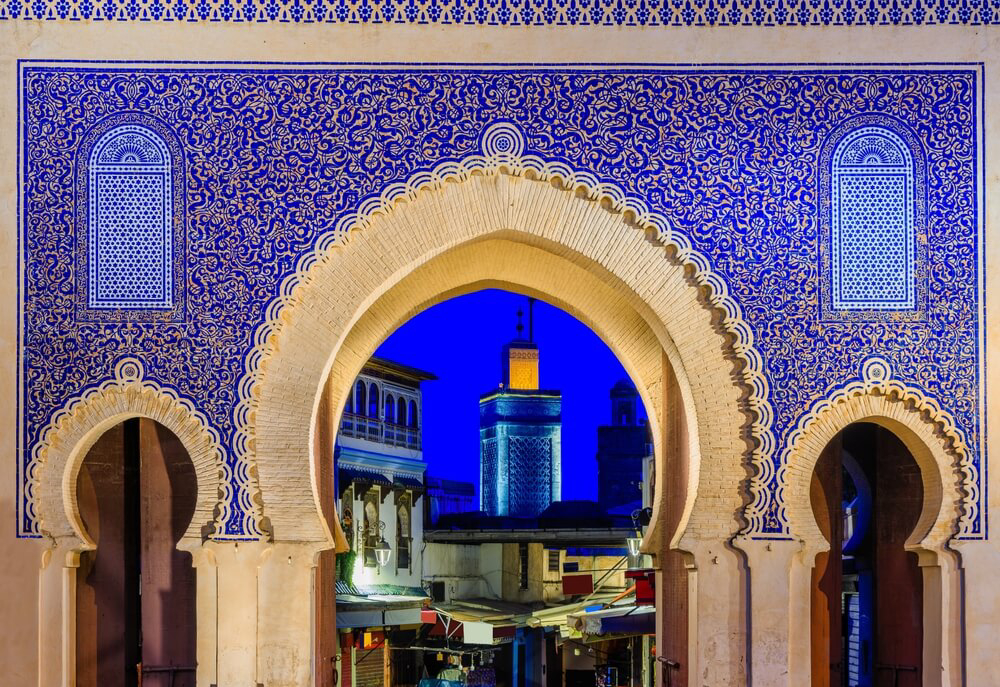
520, 432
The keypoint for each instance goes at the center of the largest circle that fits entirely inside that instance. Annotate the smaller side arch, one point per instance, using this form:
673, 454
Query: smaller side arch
72, 431
939, 448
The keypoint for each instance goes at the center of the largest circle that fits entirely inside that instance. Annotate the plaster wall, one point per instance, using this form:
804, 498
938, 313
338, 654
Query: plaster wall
466, 570
26, 571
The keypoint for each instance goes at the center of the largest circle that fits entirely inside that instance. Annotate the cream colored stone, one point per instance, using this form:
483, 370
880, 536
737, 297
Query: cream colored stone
28, 594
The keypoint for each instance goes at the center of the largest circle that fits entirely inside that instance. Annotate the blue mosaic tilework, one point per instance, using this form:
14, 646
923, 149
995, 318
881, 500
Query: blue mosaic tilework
130, 228
529, 474
274, 158
522, 12
873, 241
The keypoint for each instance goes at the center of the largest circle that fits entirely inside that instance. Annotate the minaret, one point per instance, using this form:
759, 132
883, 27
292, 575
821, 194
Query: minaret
520, 430
520, 361
621, 448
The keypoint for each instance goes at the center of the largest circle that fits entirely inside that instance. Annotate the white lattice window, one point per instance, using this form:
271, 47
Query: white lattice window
873, 239
130, 225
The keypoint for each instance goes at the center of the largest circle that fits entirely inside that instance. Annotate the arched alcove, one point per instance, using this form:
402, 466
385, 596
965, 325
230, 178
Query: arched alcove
135, 589
919, 431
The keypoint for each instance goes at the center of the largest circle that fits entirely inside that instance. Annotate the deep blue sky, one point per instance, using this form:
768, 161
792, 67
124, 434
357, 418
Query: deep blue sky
460, 341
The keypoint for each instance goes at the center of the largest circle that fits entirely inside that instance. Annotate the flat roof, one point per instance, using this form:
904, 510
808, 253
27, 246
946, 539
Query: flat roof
384, 365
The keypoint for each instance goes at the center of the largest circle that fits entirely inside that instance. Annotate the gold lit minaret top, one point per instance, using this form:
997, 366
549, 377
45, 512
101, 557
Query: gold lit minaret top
520, 363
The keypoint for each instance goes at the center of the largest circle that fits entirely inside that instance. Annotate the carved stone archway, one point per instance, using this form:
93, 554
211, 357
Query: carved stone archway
517, 222
943, 457
655, 272
73, 431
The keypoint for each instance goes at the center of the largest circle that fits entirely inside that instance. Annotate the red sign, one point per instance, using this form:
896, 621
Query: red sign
578, 584
428, 617
504, 631
645, 586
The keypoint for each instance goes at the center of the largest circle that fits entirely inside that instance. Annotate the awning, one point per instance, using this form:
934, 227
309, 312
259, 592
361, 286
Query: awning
479, 621
378, 605
617, 620
352, 474
556, 616
403, 482
357, 615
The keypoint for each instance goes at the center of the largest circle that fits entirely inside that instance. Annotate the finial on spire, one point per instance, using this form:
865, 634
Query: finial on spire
520, 327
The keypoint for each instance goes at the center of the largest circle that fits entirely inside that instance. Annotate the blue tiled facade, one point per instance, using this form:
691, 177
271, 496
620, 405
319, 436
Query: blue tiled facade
520, 452
265, 162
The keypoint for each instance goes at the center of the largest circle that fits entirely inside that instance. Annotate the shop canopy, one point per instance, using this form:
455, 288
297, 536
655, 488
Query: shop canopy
619, 620
477, 621
378, 605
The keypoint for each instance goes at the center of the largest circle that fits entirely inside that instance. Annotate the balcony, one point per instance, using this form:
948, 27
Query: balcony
372, 429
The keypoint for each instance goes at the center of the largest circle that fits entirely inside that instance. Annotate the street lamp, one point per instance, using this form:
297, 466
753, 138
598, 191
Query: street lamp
633, 546
382, 552
640, 517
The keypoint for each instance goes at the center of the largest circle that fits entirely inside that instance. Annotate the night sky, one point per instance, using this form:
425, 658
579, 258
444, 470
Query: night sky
460, 341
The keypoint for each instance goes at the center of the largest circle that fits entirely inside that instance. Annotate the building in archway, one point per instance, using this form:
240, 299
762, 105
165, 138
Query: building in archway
622, 448
380, 469
520, 438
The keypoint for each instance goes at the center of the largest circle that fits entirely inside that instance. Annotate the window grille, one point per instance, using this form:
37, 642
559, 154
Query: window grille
130, 222
873, 206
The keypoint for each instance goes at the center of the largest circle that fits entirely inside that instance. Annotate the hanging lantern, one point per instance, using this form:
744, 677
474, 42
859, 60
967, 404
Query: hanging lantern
383, 552
633, 546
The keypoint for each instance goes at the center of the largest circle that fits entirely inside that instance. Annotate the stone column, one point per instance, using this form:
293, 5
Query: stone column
236, 629
57, 613
961, 637
206, 610
717, 616
286, 614
256, 613
779, 612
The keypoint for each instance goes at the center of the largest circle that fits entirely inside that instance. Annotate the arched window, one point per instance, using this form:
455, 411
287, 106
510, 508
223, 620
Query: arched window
390, 409
403, 560
360, 397
413, 414
372, 528
373, 401
873, 240
401, 413
349, 406
130, 222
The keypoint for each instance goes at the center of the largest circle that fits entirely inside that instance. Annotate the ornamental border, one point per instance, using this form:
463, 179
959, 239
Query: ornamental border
517, 13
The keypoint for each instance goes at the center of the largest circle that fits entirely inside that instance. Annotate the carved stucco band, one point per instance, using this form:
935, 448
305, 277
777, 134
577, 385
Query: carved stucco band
583, 185
64, 443
940, 450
